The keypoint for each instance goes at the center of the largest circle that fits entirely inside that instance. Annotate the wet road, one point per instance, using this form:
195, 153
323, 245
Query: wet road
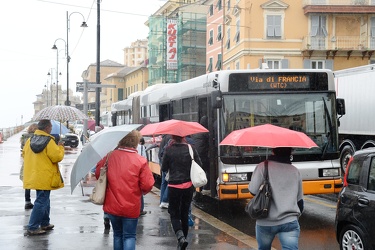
317, 220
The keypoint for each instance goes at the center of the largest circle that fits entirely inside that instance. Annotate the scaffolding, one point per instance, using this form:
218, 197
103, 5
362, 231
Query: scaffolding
191, 47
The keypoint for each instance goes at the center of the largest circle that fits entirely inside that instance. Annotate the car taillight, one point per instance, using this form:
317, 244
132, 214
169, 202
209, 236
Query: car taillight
347, 171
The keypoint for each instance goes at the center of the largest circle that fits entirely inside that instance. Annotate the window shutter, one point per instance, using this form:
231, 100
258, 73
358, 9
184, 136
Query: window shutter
285, 64
314, 25
329, 64
307, 64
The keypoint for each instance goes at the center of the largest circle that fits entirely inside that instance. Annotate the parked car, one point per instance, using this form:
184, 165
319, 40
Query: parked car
355, 213
70, 140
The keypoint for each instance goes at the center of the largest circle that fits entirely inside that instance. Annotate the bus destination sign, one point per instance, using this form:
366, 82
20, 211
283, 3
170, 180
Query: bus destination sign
278, 81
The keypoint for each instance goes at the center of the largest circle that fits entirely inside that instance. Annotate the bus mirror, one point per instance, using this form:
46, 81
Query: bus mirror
216, 99
340, 103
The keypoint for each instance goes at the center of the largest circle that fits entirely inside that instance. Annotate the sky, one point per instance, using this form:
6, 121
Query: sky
29, 29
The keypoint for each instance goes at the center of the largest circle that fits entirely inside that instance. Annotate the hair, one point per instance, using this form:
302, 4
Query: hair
43, 124
31, 129
282, 151
177, 138
131, 140
142, 141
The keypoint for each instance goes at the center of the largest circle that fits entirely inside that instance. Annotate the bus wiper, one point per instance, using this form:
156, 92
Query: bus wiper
329, 137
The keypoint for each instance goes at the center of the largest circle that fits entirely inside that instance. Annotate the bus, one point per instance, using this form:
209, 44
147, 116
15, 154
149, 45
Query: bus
300, 99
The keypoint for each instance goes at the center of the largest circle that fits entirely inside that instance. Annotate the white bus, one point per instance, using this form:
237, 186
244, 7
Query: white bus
235, 99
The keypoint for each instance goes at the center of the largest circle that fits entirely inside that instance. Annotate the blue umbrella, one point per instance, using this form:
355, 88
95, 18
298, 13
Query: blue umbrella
58, 128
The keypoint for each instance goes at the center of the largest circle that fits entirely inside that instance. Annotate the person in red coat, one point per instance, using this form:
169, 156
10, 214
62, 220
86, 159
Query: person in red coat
128, 178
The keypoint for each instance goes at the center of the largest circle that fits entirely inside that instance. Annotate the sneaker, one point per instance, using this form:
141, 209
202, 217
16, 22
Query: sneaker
164, 205
38, 231
29, 205
48, 227
143, 213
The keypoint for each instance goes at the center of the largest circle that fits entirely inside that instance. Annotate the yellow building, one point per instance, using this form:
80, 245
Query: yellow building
333, 34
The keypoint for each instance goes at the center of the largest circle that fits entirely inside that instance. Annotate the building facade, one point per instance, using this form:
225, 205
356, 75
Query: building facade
136, 53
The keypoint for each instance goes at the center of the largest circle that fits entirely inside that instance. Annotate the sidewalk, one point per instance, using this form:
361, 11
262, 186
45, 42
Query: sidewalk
79, 223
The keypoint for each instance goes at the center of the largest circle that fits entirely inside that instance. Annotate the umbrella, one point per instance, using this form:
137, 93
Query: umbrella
60, 113
269, 136
173, 127
91, 125
100, 144
58, 128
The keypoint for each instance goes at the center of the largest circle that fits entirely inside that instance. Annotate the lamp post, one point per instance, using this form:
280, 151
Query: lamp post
57, 65
50, 73
83, 25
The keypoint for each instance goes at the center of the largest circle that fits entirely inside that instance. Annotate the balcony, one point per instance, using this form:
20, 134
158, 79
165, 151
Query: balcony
339, 6
364, 45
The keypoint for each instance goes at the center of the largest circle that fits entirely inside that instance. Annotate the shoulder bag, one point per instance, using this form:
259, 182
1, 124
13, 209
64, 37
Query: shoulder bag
258, 207
98, 193
197, 174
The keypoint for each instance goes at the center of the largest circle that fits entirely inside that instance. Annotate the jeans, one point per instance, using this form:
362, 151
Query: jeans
163, 188
27, 195
40, 214
288, 234
179, 205
124, 232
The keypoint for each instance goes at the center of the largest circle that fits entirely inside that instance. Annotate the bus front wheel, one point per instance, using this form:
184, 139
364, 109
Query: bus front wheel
345, 155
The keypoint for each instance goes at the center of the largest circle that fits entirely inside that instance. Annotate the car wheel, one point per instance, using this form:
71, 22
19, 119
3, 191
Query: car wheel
352, 237
345, 155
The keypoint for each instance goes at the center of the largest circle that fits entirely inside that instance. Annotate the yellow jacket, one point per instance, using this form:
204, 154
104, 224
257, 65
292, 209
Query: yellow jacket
39, 168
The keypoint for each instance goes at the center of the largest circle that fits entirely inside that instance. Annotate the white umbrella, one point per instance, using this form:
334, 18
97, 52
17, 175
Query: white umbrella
60, 113
100, 144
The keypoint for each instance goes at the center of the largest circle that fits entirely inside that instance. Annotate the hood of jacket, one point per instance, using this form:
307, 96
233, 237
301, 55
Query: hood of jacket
39, 141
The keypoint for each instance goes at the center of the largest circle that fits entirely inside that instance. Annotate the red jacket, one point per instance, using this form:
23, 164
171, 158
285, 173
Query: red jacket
128, 178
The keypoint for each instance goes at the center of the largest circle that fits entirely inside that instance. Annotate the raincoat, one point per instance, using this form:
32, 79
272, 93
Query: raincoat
128, 177
41, 156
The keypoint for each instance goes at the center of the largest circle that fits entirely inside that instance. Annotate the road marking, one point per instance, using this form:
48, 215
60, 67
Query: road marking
319, 202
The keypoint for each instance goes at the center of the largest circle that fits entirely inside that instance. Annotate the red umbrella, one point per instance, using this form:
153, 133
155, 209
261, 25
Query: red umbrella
173, 127
91, 125
268, 136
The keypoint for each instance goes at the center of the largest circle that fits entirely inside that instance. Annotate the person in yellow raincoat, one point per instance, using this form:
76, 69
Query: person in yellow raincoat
41, 172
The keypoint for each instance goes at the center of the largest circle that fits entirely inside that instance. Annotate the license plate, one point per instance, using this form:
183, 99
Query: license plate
73, 140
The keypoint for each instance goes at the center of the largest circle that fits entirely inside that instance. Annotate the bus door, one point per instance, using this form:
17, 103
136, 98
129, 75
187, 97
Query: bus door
164, 112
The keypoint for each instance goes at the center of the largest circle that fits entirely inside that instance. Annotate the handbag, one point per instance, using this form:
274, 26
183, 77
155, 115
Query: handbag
98, 193
197, 175
259, 206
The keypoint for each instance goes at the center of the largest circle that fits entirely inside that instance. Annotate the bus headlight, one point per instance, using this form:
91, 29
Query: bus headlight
234, 177
329, 172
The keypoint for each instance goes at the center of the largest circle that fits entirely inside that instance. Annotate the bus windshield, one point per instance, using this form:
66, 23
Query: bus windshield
313, 114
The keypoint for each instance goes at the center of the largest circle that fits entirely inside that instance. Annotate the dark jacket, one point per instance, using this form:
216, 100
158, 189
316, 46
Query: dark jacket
177, 161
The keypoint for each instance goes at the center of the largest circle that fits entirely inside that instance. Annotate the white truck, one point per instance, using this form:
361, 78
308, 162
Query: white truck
357, 126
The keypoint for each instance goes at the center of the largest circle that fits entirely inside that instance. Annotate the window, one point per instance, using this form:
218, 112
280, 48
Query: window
219, 5
371, 176
227, 44
218, 63
211, 39
273, 64
228, 5
317, 64
354, 172
273, 26
237, 36
237, 65
372, 33
219, 36
318, 32
209, 68
211, 11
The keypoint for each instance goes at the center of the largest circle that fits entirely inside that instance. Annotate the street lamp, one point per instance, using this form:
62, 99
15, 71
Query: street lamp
83, 25
57, 66
50, 73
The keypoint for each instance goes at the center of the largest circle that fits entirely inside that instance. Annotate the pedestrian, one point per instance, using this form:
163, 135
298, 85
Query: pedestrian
141, 148
41, 157
286, 204
202, 146
164, 183
177, 161
30, 132
128, 177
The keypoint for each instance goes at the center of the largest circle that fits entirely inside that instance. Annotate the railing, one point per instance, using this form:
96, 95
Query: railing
5, 133
338, 43
338, 2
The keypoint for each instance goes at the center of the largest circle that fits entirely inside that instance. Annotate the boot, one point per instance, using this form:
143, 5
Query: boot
182, 242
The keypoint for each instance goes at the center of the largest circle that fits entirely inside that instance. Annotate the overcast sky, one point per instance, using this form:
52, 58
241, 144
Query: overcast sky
29, 29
